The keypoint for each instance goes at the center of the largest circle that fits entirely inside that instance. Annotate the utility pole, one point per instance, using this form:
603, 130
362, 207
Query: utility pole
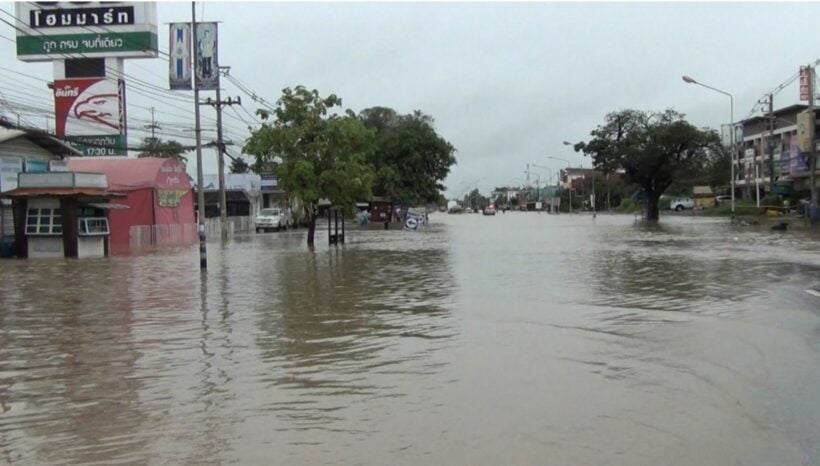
153, 126
812, 153
153, 147
770, 141
220, 147
594, 200
203, 256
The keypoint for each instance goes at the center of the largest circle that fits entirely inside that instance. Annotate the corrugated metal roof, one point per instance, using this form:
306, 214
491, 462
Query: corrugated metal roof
41, 138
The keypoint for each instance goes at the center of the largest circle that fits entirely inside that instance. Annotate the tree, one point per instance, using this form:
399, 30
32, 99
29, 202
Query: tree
239, 165
475, 200
653, 148
410, 159
319, 155
156, 147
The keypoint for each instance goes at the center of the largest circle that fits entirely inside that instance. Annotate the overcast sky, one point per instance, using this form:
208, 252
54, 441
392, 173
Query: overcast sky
505, 82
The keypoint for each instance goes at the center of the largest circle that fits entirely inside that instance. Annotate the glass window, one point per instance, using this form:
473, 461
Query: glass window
93, 226
44, 222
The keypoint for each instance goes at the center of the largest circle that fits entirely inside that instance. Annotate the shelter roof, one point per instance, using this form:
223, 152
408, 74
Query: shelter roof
40, 138
67, 191
124, 174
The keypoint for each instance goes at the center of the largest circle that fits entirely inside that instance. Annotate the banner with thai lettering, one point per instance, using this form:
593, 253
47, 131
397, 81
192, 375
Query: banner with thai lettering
60, 30
805, 130
90, 113
805, 81
206, 67
179, 63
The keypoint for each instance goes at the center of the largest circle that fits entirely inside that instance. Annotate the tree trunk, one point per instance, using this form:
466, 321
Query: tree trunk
652, 202
311, 230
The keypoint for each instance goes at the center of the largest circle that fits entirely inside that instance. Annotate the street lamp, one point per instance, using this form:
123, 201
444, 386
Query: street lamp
690, 80
569, 180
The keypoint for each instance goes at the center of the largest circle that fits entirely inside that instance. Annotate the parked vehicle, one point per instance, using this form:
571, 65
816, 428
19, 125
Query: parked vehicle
722, 199
273, 218
680, 203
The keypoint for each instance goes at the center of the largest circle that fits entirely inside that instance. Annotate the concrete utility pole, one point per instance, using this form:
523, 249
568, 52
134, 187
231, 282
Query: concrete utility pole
203, 256
220, 147
594, 200
153, 126
812, 154
770, 144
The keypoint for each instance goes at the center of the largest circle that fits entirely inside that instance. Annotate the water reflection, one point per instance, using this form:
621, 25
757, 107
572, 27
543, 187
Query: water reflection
332, 321
68, 363
561, 337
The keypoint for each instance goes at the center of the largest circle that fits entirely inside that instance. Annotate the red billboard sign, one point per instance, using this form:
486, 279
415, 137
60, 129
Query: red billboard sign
805, 80
86, 107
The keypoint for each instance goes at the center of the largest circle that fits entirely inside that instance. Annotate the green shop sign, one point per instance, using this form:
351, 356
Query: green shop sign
91, 146
129, 44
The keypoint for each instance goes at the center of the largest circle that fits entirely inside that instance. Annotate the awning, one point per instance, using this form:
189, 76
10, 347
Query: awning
107, 205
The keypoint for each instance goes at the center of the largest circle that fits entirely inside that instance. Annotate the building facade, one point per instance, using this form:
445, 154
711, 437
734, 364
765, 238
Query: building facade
768, 156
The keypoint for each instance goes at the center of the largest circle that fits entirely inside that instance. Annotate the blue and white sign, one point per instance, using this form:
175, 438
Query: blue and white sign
414, 220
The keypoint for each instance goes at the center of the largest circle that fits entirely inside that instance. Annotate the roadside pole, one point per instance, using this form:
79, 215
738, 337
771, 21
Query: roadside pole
594, 200
220, 147
203, 256
770, 144
812, 153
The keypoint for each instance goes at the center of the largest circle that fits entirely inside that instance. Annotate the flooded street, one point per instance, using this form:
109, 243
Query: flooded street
515, 339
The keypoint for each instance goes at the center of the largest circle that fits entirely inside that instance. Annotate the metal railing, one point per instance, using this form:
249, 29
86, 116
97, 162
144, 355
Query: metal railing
147, 236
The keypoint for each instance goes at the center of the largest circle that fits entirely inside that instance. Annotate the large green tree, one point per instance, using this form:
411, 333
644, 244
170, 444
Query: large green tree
318, 154
652, 148
156, 147
410, 159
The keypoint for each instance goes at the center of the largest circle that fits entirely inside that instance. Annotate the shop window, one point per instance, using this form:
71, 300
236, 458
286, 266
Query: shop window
93, 226
44, 222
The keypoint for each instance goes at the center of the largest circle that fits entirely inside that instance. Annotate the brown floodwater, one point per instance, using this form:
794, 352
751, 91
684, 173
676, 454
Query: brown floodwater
519, 339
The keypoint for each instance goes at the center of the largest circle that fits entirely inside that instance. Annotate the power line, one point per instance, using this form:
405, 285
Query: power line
137, 85
759, 105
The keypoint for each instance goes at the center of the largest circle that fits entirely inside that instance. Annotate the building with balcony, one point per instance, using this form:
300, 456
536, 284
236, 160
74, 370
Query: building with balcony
787, 167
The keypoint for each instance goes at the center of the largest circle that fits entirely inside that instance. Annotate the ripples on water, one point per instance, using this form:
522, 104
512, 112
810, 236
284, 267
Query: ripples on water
514, 339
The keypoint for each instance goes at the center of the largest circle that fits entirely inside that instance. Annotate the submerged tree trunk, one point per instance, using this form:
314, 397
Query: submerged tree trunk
652, 202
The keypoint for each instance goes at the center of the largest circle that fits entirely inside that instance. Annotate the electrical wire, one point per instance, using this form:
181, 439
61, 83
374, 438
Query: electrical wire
148, 89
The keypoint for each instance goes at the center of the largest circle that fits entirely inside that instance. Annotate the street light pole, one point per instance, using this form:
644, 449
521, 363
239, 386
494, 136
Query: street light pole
569, 180
689, 80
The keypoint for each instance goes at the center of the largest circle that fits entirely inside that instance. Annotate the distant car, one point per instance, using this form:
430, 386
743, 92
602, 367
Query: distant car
489, 210
722, 199
681, 203
272, 218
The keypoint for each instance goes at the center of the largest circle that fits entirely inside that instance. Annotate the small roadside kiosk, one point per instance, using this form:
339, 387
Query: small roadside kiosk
61, 214
159, 197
